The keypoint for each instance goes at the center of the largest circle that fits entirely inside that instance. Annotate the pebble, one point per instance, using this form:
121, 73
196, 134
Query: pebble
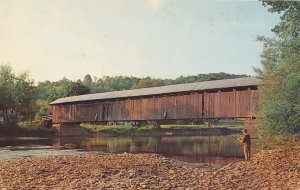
270, 169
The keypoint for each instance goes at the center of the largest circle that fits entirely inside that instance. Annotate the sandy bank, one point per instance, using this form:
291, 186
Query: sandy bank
274, 169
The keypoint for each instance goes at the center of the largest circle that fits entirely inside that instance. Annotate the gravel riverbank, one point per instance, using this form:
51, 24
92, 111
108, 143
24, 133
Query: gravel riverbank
272, 169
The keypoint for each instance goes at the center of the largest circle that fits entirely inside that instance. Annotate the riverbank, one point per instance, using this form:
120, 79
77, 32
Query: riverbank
269, 169
26, 131
148, 130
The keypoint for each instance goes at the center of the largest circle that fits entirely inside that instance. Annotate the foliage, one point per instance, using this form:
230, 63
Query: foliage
43, 108
206, 77
52, 90
62, 88
279, 96
17, 96
87, 81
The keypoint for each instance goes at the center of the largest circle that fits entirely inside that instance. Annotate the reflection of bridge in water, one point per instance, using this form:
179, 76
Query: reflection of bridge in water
201, 149
190, 148
192, 102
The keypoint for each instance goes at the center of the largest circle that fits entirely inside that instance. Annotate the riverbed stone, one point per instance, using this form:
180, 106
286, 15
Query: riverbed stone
273, 169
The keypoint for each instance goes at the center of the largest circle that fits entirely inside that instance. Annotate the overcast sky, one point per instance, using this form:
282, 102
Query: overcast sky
52, 39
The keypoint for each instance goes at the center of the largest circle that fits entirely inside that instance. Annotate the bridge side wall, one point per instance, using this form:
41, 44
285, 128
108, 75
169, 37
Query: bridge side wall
192, 105
143, 108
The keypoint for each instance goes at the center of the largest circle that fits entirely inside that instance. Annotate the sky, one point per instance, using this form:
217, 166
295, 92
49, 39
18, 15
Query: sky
52, 39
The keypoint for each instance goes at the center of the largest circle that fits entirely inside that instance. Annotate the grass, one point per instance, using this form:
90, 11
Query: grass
197, 127
185, 127
128, 129
116, 129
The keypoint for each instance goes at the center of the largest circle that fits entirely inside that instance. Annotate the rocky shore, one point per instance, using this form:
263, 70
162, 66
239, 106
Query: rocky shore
271, 169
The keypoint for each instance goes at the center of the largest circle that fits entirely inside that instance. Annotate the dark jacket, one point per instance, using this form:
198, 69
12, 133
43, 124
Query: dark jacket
246, 139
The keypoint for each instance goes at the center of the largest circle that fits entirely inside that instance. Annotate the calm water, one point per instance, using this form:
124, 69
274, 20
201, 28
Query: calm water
197, 149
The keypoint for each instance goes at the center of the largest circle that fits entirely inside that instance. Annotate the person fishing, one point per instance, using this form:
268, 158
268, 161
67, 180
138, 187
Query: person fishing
246, 140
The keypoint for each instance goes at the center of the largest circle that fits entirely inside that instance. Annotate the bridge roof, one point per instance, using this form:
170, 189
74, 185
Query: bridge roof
177, 88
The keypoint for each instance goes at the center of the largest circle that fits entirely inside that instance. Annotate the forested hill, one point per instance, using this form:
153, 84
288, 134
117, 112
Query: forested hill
52, 90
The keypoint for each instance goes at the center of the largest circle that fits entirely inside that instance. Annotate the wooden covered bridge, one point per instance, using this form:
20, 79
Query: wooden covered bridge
218, 99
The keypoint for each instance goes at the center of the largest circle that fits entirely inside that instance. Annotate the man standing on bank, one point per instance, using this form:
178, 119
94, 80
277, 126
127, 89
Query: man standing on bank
247, 144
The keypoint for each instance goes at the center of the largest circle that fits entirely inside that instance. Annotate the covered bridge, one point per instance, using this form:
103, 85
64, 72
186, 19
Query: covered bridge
218, 99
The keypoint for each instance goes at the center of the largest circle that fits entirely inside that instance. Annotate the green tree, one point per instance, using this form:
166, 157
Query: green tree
17, 96
279, 96
43, 108
87, 81
62, 88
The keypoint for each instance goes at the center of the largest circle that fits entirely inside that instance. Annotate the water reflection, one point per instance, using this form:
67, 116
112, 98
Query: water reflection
189, 148
205, 149
25, 142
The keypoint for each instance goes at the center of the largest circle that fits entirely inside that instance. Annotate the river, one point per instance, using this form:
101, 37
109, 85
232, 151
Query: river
211, 149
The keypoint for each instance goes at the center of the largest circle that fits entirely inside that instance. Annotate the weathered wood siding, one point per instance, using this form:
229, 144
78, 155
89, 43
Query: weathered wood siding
219, 104
232, 104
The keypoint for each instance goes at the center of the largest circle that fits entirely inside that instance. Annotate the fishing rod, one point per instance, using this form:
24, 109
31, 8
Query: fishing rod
234, 136
230, 134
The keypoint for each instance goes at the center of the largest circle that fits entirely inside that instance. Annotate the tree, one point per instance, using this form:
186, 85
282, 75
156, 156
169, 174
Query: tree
279, 97
62, 88
87, 81
16, 96
43, 108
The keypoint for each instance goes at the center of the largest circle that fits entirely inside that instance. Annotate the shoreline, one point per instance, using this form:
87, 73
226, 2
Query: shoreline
171, 129
270, 169
170, 132
136, 132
